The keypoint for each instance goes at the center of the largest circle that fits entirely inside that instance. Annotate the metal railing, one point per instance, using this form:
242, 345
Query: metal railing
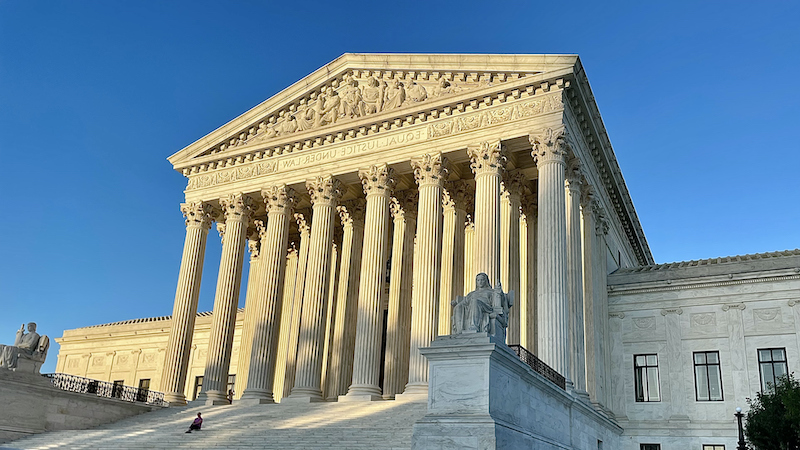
538, 366
81, 385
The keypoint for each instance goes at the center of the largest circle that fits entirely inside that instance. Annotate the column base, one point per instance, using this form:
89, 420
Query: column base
175, 399
214, 398
256, 397
359, 398
417, 392
582, 396
304, 395
362, 393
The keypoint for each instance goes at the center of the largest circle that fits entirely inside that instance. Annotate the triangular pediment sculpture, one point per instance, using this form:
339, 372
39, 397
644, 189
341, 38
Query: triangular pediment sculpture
365, 93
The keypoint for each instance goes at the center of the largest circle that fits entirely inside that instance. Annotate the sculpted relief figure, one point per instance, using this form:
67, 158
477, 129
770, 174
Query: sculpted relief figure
415, 92
373, 96
484, 310
444, 87
304, 116
27, 346
352, 102
395, 95
327, 107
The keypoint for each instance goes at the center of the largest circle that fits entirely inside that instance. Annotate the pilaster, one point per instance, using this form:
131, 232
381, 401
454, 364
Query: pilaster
575, 278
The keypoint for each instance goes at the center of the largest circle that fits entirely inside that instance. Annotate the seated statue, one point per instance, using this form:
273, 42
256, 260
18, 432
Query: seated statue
30, 349
484, 310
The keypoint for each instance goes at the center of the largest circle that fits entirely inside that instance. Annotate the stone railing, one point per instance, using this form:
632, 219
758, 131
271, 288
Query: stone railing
72, 383
538, 366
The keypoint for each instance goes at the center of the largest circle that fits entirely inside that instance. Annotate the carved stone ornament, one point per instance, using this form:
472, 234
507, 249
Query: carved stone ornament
484, 310
573, 175
619, 315
644, 323
457, 195
587, 198
28, 352
767, 314
352, 212
514, 182
237, 207
703, 319
404, 204
303, 227
793, 302
487, 158
549, 146
666, 311
324, 190
221, 230
729, 306
197, 214
377, 179
279, 199
430, 169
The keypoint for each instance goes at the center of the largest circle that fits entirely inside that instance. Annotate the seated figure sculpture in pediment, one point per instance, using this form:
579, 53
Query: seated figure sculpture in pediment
28, 347
484, 310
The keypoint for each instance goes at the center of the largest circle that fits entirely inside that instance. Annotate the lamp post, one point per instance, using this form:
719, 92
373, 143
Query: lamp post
739, 416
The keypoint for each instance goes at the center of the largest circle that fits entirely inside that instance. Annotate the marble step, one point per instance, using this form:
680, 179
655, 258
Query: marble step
372, 425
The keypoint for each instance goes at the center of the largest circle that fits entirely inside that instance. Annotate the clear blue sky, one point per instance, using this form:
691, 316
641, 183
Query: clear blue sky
700, 100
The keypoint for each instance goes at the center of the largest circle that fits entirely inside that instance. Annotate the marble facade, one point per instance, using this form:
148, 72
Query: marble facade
365, 197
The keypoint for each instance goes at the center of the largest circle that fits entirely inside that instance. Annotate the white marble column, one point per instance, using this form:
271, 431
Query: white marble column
325, 192
330, 314
176, 361
469, 255
575, 279
286, 322
454, 204
378, 182
510, 249
549, 152
591, 306
237, 209
274, 239
340, 373
255, 280
602, 323
527, 307
304, 228
430, 172
398, 328
487, 161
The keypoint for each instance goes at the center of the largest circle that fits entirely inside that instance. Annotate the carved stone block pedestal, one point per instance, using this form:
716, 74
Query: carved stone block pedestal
481, 396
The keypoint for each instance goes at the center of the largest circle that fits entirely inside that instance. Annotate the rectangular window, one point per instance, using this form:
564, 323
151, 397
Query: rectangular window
707, 377
645, 373
198, 386
771, 366
649, 446
713, 447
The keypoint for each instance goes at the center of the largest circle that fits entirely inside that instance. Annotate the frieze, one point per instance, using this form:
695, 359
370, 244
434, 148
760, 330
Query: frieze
447, 127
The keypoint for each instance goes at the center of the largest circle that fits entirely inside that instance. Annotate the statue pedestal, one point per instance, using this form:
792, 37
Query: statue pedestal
480, 395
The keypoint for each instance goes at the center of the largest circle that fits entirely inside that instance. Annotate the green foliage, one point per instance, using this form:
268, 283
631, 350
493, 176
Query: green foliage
773, 422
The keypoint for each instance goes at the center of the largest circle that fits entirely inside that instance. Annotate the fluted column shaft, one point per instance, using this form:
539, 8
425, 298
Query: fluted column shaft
297, 305
550, 156
455, 215
290, 278
487, 162
378, 182
255, 281
510, 249
469, 255
398, 327
274, 238
325, 193
575, 281
590, 312
237, 209
429, 171
176, 361
528, 306
340, 373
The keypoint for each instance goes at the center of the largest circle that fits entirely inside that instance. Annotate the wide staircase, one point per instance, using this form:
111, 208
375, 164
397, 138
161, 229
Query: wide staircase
360, 425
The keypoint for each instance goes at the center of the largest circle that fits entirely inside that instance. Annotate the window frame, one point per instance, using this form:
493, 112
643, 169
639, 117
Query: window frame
771, 362
644, 381
708, 376
713, 447
649, 446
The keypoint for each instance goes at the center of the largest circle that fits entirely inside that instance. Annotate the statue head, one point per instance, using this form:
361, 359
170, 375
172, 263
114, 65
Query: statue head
31, 327
482, 281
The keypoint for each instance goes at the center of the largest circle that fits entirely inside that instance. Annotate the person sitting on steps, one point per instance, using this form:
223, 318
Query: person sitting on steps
198, 422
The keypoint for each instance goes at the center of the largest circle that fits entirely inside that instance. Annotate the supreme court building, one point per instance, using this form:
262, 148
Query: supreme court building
363, 198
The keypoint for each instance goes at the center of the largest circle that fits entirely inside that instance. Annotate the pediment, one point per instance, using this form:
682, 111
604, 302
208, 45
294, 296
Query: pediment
358, 94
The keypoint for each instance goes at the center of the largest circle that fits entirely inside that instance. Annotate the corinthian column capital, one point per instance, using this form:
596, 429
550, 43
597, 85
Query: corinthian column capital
487, 158
197, 214
549, 146
404, 204
303, 227
514, 182
237, 207
279, 199
377, 179
430, 169
573, 175
324, 190
600, 222
457, 195
587, 196
352, 212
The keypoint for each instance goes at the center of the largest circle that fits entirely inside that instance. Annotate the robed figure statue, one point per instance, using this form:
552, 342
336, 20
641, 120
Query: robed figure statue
484, 310
27, 346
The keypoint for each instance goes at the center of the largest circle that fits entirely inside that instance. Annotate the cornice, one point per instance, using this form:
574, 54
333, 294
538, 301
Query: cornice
620, 291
